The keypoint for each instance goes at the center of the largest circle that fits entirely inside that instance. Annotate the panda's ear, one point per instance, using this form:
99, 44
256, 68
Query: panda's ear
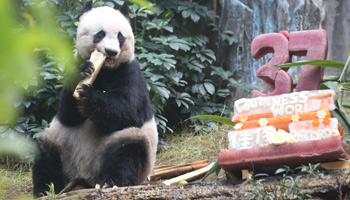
125, 10
87, 7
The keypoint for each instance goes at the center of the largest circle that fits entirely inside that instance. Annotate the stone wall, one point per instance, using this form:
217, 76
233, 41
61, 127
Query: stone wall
249, 18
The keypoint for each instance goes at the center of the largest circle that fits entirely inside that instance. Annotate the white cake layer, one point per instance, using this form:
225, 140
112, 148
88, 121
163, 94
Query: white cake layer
299, 131
305, 130
285, 104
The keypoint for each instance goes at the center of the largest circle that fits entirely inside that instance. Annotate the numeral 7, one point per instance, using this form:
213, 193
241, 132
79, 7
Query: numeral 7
312, 44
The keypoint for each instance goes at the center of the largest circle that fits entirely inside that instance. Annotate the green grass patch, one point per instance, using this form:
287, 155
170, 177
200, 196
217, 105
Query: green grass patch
15, 184
188, 147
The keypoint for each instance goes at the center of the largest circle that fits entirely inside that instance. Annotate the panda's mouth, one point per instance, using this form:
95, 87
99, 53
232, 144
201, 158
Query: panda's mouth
109, 62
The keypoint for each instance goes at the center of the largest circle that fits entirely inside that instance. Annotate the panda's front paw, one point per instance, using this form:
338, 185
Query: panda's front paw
86, 69
88, 94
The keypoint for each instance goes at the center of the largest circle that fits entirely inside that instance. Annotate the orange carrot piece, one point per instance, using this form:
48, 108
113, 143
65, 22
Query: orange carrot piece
337, 136
321, 96
255, 116
282, 122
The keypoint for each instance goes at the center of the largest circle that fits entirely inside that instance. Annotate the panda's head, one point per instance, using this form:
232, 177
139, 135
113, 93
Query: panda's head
107, 30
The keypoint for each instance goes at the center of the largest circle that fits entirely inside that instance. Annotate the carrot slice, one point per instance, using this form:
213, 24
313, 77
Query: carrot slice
321, 96
255, 116
282, 122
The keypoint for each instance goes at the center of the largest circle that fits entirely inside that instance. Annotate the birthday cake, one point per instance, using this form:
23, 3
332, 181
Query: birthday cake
289, 129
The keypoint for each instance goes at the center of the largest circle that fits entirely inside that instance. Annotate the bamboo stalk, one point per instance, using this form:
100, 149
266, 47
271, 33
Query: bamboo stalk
189, 176
97, 59
162, 166
335, 165
167, 167
177, 171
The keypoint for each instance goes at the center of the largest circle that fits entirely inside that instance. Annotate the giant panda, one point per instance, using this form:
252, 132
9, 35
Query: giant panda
110, 136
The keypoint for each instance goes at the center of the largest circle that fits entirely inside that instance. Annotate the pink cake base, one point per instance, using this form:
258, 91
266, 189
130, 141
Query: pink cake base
270, 158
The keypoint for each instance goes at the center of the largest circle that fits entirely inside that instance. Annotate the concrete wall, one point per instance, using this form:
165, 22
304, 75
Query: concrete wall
249, 18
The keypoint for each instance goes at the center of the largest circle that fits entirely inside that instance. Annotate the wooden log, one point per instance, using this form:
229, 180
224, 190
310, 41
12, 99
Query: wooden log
318, 188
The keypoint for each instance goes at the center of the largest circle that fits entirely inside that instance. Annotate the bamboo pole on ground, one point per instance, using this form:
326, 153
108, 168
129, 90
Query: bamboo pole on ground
189, 176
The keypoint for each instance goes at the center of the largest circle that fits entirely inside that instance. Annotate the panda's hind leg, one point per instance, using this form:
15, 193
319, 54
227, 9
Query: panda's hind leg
123, 164
47, 169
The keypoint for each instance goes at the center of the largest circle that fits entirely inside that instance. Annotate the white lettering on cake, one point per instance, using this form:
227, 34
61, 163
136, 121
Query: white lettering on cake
277, 110
284, 99
298, 108
242, 105
303, 96
253, 103
289, 109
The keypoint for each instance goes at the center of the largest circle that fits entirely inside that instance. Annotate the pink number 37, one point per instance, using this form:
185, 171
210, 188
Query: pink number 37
312, 44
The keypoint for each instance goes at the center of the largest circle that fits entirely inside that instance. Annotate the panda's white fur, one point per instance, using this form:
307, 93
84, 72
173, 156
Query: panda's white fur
72, 148
94, 21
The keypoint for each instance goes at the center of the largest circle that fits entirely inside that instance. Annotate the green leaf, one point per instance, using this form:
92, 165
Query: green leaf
215, 168
261, 175
319, 63
330, 78
333, 85
162, 91
195, 17
280, 170
343, 74
202, 89
341, 120
144, 3
209, 87
223, 120
343, 113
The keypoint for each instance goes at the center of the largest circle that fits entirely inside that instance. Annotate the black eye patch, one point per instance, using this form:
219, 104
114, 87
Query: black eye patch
121, 39
99, 36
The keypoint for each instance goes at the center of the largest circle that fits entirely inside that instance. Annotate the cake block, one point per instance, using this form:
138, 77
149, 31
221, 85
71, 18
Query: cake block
289, 129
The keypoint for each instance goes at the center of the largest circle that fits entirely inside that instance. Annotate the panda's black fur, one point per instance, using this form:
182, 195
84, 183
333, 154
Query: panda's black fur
118, 99
109, 137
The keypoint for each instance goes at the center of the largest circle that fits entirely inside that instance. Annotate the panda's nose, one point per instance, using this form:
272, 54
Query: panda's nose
111, 52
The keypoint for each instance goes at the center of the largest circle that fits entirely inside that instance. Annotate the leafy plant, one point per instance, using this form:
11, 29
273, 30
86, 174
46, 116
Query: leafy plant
286, 187
52, 194
223, 120
215, 168
19, 67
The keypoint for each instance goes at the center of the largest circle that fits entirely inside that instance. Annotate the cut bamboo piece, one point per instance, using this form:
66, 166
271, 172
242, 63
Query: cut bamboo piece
189, 176
169, 173
97, 59
162, 166
246, 173
335, 165
167, 167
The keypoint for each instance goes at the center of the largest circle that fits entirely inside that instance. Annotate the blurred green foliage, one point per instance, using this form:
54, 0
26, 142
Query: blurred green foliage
18, 60
23, 32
